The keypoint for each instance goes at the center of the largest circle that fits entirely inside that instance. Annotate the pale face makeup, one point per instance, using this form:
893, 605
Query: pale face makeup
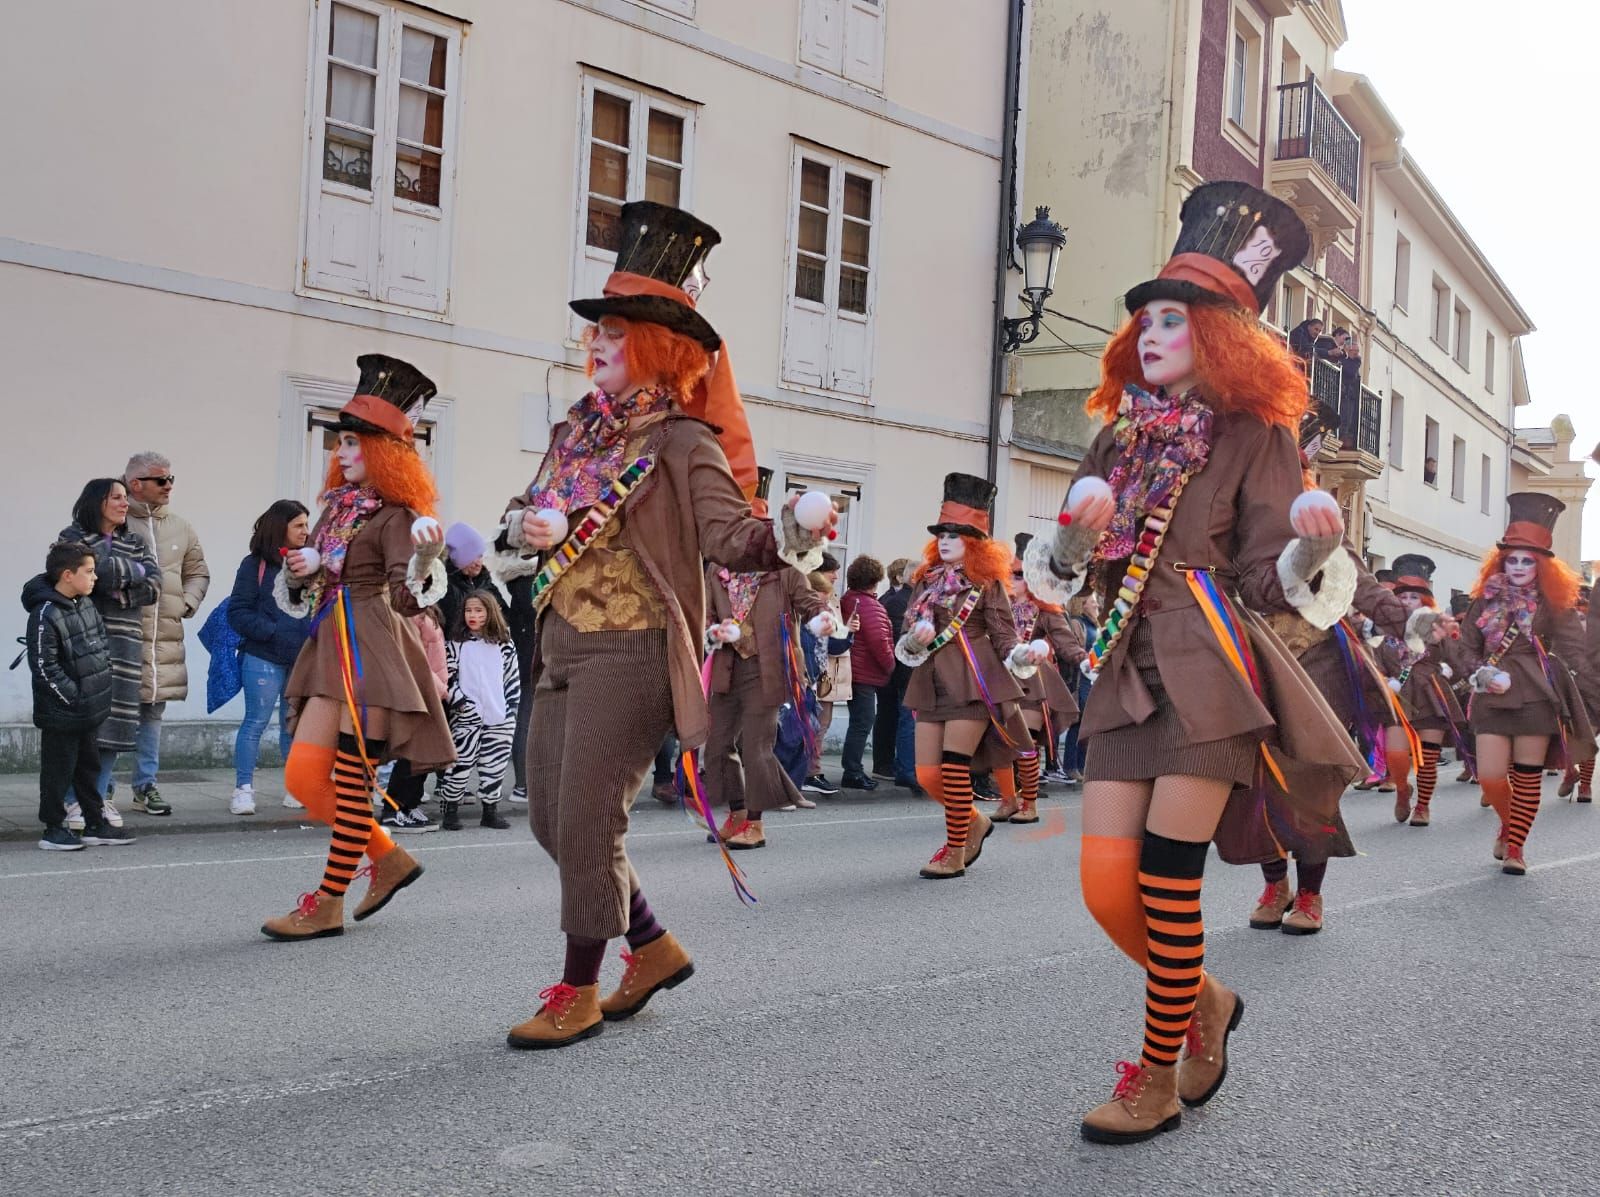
350, 458
114, 509
952, 549
298, 532
610, 364
1018, 587
474, 616
1522, 568
1166, 346
1409, 599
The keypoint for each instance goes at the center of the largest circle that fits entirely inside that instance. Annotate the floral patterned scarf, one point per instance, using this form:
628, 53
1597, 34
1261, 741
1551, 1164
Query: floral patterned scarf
349, 507
942, 586
577, 470
1505, 607
1161, 439
742, 591
1026, 612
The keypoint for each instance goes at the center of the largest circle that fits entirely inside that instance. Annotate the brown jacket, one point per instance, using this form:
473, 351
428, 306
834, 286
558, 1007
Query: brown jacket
945, 680
1588, 666
1324, 663
1048, 687
1562, 634
784, 593
687, 511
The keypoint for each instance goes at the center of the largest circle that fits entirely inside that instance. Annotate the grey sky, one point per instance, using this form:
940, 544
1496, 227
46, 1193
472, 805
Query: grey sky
1496, 101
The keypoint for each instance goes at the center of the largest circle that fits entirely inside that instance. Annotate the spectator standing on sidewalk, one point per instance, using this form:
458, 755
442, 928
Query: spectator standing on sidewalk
833, 681
894, 731
71, 669
269, 642
126, 578
871, 667
163, 676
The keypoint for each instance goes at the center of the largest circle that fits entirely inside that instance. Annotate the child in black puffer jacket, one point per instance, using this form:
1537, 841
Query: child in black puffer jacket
71, 667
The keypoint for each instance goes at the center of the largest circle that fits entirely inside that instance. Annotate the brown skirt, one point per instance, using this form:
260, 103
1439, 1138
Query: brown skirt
1158, 748
1537, 718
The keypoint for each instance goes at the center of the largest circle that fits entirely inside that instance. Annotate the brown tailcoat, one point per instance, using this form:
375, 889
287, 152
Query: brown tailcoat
783, 593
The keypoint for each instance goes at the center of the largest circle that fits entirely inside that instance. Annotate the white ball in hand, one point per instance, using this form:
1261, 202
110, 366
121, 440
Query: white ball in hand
812, 510
558, 524
731, 633
1314, 500
422, 528
1040, 649
1088, 487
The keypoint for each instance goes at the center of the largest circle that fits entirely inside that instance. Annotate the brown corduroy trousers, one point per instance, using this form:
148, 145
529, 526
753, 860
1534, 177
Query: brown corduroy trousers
741, 769
600, 711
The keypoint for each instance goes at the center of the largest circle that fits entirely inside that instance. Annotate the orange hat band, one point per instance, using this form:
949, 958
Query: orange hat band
960, 513
380, 413
1524, 534
622, 283
1214, 275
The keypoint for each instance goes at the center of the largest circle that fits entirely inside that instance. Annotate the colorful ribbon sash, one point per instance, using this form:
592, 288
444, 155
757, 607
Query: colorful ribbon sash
1145, 552
598, 516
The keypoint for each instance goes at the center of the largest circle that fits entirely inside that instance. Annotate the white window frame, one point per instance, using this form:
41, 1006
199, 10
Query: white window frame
1402, 272
381, 287
1440, 314
1458, 469
853, 20
588, 261
1397, 430
683, 9
1489, 347
1462, 318
838, 166
302, 469
1244, 134
1486, 482
1432, 434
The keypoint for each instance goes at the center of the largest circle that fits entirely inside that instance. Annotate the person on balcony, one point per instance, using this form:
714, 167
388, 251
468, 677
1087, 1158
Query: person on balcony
1303, 339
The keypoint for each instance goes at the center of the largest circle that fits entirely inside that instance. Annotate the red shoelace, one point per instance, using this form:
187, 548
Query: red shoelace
1305, 902
307, 905
558, 998
1128, 1074
941, 854
630, 965
1269, 896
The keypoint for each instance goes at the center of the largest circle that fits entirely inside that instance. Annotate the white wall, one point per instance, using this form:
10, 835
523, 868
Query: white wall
148, 259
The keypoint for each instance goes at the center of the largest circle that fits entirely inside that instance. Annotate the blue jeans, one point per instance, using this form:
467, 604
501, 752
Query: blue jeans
263, 689
905, 745
146, 749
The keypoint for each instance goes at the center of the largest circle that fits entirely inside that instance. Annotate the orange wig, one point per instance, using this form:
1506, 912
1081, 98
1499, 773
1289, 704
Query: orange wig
1241, 368
986, 560
656, 354
394, 470
1557, 582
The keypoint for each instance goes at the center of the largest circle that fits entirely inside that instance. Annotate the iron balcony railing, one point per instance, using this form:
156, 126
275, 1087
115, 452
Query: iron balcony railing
1369, 422
1309, 126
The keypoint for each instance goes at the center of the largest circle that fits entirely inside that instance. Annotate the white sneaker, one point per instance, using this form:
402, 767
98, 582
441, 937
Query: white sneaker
113, 815
74, 817
519, 796
244, 801
293, 803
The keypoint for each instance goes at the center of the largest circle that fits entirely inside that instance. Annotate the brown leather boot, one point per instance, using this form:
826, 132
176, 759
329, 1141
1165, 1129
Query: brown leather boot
1007, 808
569, 1013
1274, 900
391, 873
1569, 782
1514, 862
946, 862
1306, 917
1217, 1012
1144, 1104
1500, 843
316, 916
1402, 800
748, 835
982, 828
660, 964
1420, 816
1029, 813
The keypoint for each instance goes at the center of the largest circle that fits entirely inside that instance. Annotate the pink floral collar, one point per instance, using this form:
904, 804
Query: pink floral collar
1161, 439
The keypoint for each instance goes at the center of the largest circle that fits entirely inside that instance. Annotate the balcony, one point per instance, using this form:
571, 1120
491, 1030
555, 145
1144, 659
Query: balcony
1344, 421
1317, 161
1360, 418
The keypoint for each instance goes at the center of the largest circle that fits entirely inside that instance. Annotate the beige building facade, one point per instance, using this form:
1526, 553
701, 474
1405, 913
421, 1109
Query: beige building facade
201, 250
1541, 460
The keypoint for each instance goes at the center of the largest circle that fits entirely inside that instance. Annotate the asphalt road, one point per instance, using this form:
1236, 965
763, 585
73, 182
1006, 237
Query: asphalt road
860, 1031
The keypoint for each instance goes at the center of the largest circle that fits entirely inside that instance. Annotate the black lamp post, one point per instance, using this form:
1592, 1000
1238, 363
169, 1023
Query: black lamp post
1041, 241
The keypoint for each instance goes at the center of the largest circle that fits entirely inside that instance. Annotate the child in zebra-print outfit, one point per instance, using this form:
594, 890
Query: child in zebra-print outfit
485, 689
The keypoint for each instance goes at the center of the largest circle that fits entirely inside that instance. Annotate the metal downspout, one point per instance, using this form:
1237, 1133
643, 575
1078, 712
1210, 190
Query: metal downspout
1005, 231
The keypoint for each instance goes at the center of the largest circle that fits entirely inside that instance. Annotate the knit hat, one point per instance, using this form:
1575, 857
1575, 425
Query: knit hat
464, 544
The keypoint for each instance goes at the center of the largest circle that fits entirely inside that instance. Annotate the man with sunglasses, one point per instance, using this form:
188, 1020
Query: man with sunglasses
164, 676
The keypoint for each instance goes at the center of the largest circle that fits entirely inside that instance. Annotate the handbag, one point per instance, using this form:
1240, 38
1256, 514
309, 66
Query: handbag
224, 679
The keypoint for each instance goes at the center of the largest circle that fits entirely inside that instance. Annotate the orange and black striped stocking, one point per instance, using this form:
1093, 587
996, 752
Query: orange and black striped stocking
1586, 776
1427, 775
1525, 783
1028, 777
955, 787
353, 826
1169, 880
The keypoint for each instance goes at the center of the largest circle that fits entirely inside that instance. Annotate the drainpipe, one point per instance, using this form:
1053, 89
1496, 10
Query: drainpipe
1005, 231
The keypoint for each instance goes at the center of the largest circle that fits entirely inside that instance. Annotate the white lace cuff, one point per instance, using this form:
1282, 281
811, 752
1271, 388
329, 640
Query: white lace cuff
512, 523
1418, 626
426, 579
296, 604
1043, 581
1018, 665
909, 653
1325, 606
800, 547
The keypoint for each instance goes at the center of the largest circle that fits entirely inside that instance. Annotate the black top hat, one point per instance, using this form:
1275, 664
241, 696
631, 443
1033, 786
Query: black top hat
1459, 604
389, 395
665, 245
1386, 576
1022, 541
1533, 522
1413, 571
965, 510
1235, 244
763, 482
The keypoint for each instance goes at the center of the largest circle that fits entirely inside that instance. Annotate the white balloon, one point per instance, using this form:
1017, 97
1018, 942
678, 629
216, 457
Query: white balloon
558, 524
812, 510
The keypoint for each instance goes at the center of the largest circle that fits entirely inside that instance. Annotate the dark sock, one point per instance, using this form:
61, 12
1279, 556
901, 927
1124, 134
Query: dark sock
1170, 872
642, 925
1309, 876
1275, 870
583, 960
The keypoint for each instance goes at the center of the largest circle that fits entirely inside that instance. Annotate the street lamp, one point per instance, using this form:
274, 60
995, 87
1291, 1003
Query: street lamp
1041, 241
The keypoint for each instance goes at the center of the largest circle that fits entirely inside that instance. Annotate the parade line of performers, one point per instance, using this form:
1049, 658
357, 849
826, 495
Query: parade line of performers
1247, 670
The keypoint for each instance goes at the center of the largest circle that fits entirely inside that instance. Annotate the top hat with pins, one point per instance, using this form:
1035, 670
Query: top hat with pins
1413, 571
965, 510
1235, 244
658, 248
389, 396
1533, 522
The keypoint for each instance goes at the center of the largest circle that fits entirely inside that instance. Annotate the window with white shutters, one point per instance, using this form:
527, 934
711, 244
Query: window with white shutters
828, 321
637, 145
845, 38
382, 140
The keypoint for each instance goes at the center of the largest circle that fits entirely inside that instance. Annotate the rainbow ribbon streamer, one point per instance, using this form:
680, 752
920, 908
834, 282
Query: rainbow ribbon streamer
1225, 626
983, 691
1368, 730
1550, 676
350, 675
694, 793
